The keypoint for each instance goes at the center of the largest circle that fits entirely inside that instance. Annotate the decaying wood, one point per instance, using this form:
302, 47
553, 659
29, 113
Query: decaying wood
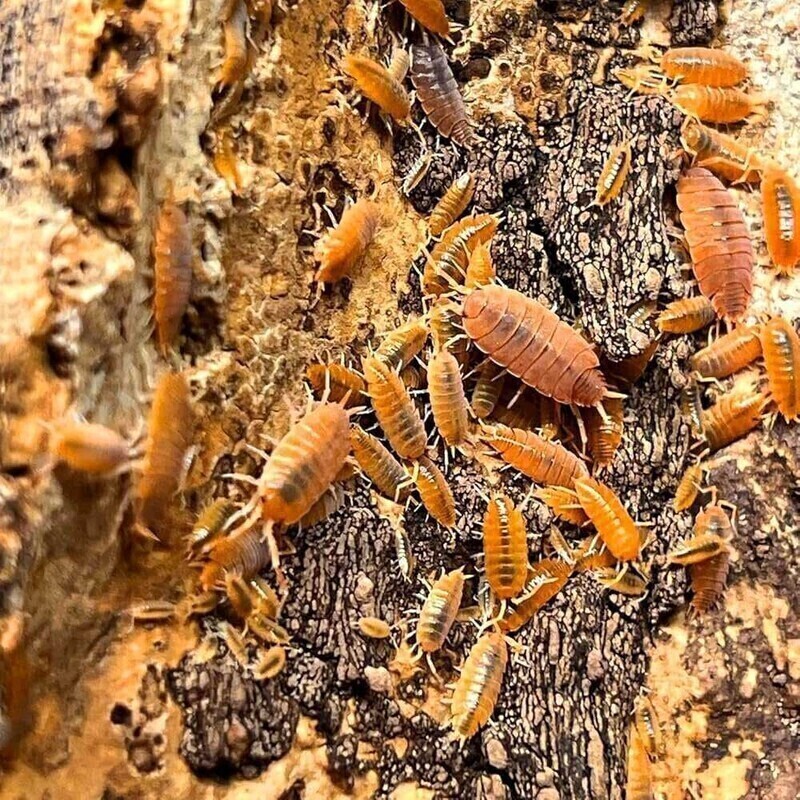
562, 720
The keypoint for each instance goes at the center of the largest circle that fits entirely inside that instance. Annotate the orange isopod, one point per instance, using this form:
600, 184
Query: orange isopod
728, 354
446, 329
687, 315
629, 583
379, 465
172, 271
703, 65
448, 402
341, 248
434, 491
376, 83
170, 429
343, 385
591, 559
734, 415
780, 196
237, 57
648, 727
439, 610
395, 410
688, 487
402, 344
697, 549
722, 154
614, 524
89, 447
604, 433
452, 204
639, 781
478, 687
505, 547
480, 269
533, 344
245, 554
782, 361
716, 104
430, 14
541, 460
612, 178
713, 521
563, 503
487, 391
708, 580
545, 580
719, 243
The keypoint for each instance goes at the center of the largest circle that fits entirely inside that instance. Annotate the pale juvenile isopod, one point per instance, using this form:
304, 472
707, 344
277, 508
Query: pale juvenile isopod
239, 595
452, 205
688, 487
648, 727
633, 11
210, 522
439, 611
341, 248
781, 346
627, 582
374, 627
434, 491
687, 315
612, 178
699, 548
376, 83
780, 196
614, 524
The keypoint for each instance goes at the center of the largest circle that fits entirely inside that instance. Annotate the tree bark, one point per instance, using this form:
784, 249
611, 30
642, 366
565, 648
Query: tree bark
78, 263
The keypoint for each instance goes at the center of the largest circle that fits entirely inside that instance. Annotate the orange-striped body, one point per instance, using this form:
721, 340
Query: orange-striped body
341, 248
448, 402
453, 204
304, 463
703, 65
615, 171
543, 461
434, 491
708, 581
402, 344
563, 503
379, 465
720, 105
781, 346
395, 410
505, 547
687, 315
780, 196
734, 415
592, 557
172, 272
697, 549
488, 389
614, 524
376, 83
89, 447
430, 14
244, 554
604, 433
342, 384
728, 354
533, 344
478, 686
480, 269
722, 154
557, 572
439, 610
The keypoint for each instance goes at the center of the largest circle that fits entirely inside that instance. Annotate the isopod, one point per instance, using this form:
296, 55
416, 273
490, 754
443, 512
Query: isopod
699, 548
267, 602
170, 429
478, 686
236, 644
448, 402
703, 65
430, 14
505, 547
399, 64
734, 415
452, 204
647, 726
269, 663
639, 783
376, 83
172, 272
446, 330
613, 175
782, 361
245, 553
545, 580
480, 269
604, 431
341, 248
614, 524
374, 627
708, 580
89, 447
692, 405
543, 461
630, 369
239, 594
395, 410
688, 487
417, 172
687, 315
414, 376
379, 465
438, 93
439, 611
728, 354
236, 61
563, 503
151, 611
632, 11
405, 557
713, 521
716, 104
722, 154
533, 344
628, 582
487, 391
434, 491
719, 243
780, 196
402, 344
342, 385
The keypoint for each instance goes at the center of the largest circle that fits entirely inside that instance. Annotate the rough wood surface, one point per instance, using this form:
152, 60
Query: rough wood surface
341, 708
